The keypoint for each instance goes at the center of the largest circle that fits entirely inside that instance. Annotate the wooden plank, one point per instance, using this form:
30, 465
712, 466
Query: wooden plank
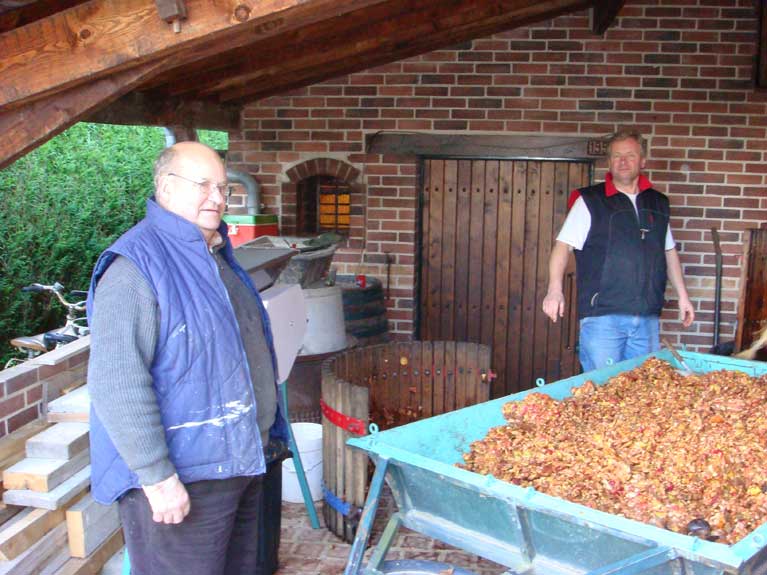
530, 273
427, 361
489, 243
502, 276
61, 441
415, 376
346, 468
449, 371
55, 562
43, 475
745, 266
438, 378
100, 38
54, 499
484, 355
472, 373
13, 443
460, 374
402, 359
36, 556
449, 207
74, 406
89, 524
22, 12
138, 109
476, 238
542, 249
463, 241
92, 564
516, 283
423, 264
360, 409
25, 529
326, 385
27, 127
436, 203
8, 511
477, 145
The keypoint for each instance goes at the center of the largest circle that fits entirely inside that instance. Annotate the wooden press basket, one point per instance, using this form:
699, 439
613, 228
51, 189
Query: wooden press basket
389, 385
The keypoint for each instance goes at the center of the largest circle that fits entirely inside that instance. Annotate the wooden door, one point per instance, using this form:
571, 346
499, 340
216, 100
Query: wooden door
487, 227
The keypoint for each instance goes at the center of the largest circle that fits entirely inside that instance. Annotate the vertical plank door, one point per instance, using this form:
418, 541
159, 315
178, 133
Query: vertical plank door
487, 229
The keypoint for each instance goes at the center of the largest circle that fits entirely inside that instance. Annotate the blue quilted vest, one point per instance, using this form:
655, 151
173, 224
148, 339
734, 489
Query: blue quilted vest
200, 371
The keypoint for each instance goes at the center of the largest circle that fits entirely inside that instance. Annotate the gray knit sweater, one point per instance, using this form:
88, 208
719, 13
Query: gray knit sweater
125, 328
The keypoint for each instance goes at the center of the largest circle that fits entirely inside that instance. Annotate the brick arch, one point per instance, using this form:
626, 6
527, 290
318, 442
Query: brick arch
323, 167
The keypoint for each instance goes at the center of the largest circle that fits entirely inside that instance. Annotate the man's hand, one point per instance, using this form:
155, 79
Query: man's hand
168, 499
554, 305
686, 312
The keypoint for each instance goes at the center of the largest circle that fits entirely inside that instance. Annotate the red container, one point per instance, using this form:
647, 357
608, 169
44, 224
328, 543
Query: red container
361, 280
242, 229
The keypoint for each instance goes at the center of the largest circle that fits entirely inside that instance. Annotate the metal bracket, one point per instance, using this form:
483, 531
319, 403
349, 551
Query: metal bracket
350, 424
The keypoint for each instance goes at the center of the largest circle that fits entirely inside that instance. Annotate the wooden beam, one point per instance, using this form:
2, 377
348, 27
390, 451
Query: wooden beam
92, 564
33, 559
389, 40
147, 110
102, 37
477, 145
62, 441
43, 475
32, 10
25, 529
26, 128
603, 14
55, 499
14, 442
74, 406
89, 524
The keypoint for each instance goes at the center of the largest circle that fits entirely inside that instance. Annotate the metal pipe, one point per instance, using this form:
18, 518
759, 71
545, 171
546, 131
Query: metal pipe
717, 285
252, 187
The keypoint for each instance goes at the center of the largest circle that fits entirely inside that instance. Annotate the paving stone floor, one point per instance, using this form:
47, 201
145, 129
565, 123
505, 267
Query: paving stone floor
307, 551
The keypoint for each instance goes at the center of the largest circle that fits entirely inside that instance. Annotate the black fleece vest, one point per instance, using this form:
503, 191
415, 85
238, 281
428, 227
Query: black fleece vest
622, 266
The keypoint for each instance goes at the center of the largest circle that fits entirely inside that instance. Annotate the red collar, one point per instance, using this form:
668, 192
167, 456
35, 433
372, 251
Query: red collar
611, 190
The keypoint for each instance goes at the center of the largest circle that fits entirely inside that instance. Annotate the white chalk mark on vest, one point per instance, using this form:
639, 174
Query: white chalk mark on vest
235, 410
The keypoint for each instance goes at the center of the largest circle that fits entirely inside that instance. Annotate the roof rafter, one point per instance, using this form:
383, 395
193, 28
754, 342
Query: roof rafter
25, 129
101, 37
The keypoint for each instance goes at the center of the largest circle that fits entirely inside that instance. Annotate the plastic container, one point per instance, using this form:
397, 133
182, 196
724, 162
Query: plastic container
242, 228
325, 330
308, 438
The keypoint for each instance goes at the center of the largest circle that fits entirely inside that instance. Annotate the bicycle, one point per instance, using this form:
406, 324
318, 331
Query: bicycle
75, 327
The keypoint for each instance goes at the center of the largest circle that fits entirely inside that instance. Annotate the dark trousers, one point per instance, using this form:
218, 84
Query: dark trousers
220, 536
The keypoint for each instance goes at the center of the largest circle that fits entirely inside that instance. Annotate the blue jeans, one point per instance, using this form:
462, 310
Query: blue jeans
616, 337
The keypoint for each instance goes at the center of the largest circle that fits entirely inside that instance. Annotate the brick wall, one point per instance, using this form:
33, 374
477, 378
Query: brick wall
26, 388
680, 71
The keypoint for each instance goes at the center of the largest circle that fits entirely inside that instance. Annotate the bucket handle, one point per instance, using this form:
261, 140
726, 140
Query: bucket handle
308, 469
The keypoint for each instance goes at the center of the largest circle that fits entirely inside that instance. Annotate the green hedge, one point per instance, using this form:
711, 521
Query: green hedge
62, 205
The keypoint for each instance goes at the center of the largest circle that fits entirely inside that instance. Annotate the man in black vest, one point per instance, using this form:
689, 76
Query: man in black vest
624, 253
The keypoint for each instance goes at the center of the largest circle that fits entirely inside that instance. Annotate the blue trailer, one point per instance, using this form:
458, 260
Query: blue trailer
528, 532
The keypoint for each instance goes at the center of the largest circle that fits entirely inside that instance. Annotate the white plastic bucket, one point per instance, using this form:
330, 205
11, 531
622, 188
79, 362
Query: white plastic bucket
308, 438
325, 328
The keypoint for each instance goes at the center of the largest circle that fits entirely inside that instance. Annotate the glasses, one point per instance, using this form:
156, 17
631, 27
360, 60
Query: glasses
205, 185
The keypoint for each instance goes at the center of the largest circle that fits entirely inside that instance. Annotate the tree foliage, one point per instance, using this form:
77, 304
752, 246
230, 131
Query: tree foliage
62, 205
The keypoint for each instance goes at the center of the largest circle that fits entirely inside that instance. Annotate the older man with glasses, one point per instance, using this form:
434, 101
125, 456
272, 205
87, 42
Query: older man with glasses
182, 381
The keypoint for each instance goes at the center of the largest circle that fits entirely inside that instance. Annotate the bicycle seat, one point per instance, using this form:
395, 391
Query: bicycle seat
53, 337
33, 342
